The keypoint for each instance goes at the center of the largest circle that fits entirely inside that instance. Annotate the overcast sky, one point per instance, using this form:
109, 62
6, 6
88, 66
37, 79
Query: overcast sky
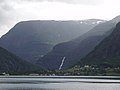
14, 11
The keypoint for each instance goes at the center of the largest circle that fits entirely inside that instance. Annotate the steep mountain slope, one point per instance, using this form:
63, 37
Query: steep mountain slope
107, 52
33, 39
10, 63
76, 49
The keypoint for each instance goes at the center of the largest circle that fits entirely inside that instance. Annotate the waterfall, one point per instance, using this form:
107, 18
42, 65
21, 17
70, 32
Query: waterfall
62, 63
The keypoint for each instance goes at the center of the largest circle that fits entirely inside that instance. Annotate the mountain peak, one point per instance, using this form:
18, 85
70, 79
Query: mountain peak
116, 19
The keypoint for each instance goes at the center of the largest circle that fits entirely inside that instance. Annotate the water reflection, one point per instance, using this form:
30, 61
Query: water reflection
58, 84
27, 89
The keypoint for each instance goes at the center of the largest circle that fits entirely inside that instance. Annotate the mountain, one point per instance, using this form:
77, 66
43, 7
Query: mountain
107, 53
10, 63
69, 53
33, 39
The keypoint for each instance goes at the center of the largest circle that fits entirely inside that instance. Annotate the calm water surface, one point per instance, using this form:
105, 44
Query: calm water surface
59, 83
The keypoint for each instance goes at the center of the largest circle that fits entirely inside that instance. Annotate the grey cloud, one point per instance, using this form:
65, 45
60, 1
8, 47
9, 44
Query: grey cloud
7, 13
7, 9
5, 5
87, 2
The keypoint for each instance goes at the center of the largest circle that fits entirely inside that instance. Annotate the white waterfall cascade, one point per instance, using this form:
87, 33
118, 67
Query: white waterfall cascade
62, 63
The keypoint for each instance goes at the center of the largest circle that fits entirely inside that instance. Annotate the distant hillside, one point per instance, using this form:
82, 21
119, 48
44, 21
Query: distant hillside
107, 53
71, 52
10, 63
32, 39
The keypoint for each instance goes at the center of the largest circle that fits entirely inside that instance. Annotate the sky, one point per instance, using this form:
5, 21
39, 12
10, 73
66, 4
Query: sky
14, 11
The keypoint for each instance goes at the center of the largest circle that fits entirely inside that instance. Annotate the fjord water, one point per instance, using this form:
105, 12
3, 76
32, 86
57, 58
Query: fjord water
60, 83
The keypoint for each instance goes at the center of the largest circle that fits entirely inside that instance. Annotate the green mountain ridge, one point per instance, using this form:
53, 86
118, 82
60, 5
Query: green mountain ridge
107, 53
12, 64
